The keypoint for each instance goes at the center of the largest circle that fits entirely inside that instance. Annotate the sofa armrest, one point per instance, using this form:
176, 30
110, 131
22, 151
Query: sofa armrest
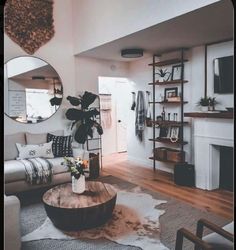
12, 223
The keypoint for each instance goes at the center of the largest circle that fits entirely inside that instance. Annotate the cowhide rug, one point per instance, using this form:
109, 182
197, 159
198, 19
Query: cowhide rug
135, 222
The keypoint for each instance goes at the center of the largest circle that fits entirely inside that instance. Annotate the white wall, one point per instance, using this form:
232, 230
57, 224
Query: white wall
88, 70
59, 53
100, 22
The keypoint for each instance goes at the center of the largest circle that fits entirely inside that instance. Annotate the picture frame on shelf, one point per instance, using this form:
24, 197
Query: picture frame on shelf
174, 134
176, 72
164, 131
170, 93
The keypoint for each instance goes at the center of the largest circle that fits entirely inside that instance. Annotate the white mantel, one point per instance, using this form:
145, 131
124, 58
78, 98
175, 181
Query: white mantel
209, 134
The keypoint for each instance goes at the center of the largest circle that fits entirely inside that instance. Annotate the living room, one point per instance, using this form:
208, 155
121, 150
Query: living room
173, 180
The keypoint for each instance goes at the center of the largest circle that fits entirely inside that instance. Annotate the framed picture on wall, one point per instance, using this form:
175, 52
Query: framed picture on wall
176, 72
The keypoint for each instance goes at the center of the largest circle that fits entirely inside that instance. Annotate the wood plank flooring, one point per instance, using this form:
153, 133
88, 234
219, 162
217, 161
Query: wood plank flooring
217, 201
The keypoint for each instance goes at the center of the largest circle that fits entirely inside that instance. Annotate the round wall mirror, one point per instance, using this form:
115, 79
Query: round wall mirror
32, 89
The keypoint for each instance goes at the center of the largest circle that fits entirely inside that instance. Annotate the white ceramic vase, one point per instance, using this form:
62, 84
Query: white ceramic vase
161, 79
78, 185
204, 108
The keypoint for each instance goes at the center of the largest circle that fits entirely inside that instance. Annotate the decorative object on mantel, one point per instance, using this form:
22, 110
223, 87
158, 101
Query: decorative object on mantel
207, 103
77, 167
211, 103
29, 23
203, 103
230, 109
84, 118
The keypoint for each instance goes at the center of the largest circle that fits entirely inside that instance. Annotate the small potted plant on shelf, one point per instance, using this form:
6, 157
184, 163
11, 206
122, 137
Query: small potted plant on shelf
163, 75
77, 167
203, 103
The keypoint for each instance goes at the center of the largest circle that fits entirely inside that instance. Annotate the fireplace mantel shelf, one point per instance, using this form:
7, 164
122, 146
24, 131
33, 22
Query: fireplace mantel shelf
222, 115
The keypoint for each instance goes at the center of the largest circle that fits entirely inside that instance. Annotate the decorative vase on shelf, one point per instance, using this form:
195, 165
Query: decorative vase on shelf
204, 108
211, 108
161, 79
78, 185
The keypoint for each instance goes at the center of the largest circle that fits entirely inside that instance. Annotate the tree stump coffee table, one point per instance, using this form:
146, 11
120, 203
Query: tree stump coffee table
70, 211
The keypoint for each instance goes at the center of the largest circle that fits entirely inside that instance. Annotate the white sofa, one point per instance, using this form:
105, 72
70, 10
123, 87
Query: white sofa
14, 173
12, 235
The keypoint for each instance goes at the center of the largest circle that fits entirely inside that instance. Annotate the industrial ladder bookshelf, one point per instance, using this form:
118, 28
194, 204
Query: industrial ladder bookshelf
181, 123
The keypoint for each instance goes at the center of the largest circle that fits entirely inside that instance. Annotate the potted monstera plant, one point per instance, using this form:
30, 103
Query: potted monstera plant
83, 117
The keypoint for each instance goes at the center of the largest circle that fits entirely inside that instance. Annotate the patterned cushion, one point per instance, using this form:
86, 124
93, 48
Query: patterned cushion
61, 145
33, 151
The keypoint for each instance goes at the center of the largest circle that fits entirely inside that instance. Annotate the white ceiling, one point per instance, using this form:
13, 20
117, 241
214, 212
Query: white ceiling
46, 71
205, 25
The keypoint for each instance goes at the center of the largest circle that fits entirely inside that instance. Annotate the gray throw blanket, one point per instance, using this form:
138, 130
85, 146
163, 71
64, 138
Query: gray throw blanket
140, 116
37, 171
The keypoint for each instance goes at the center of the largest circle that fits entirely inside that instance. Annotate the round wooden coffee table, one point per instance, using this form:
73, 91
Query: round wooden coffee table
70, 211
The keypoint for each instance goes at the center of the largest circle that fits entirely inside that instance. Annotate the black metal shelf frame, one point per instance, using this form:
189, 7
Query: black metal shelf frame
155, 64
99, 138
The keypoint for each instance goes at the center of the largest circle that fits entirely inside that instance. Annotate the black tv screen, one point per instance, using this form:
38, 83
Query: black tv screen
223, 75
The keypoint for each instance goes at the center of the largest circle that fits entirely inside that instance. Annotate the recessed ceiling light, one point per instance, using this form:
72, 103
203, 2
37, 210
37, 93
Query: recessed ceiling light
132, 53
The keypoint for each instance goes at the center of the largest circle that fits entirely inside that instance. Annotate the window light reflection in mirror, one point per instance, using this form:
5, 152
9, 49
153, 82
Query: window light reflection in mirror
32, 89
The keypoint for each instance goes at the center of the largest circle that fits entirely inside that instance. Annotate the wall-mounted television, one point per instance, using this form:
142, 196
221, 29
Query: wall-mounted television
223, 75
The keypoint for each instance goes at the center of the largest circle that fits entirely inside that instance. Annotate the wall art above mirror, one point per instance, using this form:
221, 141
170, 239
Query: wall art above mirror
33, 90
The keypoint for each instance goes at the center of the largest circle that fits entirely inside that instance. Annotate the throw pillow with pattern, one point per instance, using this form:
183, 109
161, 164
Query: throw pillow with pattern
43, 150
61, 145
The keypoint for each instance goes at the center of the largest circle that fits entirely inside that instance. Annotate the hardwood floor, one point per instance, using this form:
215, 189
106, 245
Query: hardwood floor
217, 201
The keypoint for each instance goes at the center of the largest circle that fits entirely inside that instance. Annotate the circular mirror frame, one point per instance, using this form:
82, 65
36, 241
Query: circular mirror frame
38, 121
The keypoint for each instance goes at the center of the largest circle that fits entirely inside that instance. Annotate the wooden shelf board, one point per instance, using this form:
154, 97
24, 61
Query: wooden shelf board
168, 62
167, 140
152, 158
222, 115
167, 82
171, 102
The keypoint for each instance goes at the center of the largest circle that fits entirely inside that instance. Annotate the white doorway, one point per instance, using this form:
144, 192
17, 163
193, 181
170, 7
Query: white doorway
118, 92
